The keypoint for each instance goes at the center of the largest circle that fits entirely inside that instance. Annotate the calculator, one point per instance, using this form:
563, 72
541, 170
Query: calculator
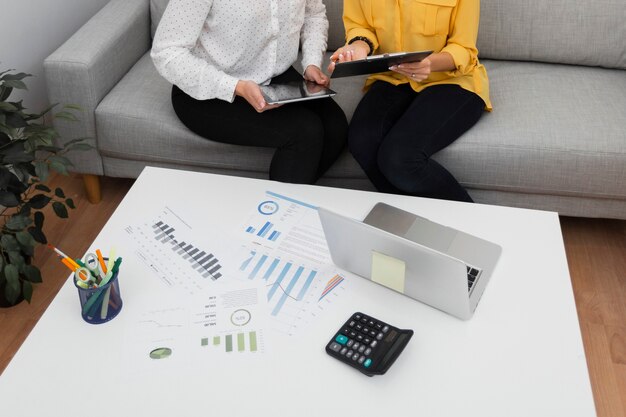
367, 344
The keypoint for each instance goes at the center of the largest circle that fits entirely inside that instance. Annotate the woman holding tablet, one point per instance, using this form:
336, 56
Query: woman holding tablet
218, 52
416, 109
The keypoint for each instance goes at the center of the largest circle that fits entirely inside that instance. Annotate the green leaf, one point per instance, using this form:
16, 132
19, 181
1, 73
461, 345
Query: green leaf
39, 218
59, 167
73, 107
5, 106
8, 199
38, 235
43, 188
65, 115
5, 92
9, 243
41, 168
18, 76
59, 209
16, 258
80, 147
5, 176
25, 239
39, 201
32, 273
59, 193
15, 84
27, 290
12, 289
18, 222
70, 203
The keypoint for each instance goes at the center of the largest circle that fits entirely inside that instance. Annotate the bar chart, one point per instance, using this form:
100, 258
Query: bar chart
265, 231
234, 342
205, 263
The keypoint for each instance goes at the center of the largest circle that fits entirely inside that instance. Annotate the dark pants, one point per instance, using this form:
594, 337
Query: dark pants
395, 131
308, 136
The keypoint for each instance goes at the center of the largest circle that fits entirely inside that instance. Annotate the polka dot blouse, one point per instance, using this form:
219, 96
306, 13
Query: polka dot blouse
206, 46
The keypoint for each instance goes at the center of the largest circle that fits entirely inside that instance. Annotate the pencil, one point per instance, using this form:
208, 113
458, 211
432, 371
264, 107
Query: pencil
64, 256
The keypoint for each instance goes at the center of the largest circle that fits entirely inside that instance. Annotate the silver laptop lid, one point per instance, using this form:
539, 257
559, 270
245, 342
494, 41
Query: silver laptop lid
431, 277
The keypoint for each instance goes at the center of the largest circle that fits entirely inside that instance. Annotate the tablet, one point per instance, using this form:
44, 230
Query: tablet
294, 91
376, 63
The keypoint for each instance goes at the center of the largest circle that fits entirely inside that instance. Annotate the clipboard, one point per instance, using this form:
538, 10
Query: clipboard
376, 63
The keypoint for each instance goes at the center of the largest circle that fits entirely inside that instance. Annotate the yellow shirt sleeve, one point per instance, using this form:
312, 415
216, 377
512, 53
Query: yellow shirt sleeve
356, 22
461, 42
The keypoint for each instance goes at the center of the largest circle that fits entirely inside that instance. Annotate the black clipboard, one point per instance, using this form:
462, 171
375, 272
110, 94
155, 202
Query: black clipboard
376, 63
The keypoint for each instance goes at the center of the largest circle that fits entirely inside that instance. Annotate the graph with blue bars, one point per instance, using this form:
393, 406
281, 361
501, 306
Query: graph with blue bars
205, 263
288, 281
266, 231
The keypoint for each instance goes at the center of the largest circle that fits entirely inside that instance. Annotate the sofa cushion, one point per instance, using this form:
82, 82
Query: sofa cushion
553, 131
560, 31
157, 8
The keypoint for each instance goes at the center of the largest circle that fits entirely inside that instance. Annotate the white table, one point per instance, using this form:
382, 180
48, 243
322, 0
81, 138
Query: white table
520, 355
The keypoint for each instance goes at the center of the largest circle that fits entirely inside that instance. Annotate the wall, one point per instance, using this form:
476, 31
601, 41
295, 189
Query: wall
30, 31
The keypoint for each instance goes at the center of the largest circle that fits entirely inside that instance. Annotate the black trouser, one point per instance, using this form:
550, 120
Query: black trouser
308, 135
395, 131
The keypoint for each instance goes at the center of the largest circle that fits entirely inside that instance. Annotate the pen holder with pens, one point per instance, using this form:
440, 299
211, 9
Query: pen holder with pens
102, 303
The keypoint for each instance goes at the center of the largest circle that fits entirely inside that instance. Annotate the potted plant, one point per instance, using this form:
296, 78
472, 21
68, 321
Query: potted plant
27, 156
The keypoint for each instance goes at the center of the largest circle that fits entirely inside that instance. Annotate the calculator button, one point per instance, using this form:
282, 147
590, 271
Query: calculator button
352, 334
367, 363
335, 347
350, 342
351, 323
343, 351
367, 340
373, 345
359, 337
355, 356
373, 333
367, 351
356, 346
361, 359
364, 320
379, 326
359, 326
341, 339
346, 331
361, 348
366, 330
379, 336
349, 354
371, 323
357, 317
385, 329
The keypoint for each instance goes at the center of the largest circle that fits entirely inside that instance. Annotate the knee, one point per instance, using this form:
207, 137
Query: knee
402, 167
309, 138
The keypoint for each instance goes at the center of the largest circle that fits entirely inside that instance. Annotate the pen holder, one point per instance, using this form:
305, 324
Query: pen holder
99, 305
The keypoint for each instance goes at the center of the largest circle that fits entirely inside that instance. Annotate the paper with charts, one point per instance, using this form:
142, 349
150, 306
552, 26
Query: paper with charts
184, 255
228, 320
286, 250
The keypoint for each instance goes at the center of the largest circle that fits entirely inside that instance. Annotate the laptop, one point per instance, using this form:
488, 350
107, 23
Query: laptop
440, 266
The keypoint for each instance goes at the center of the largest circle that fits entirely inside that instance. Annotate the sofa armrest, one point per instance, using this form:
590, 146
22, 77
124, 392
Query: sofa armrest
89, 64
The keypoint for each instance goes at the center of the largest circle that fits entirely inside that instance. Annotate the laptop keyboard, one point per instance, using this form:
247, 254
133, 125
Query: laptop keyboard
472, 277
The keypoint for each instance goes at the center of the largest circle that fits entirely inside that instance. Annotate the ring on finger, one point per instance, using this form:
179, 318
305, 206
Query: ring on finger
412, 75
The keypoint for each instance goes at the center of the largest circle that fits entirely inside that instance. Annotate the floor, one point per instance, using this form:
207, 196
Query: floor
596, 251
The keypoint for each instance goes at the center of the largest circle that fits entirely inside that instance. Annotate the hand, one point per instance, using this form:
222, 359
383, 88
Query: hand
314, 74
251, 92
414, 71
356, 50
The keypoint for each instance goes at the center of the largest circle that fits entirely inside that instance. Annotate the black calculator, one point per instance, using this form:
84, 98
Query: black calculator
368, 344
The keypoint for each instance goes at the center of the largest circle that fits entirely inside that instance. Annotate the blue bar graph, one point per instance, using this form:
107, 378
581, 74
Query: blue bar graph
287, 292
257, 267
250, 229
278, 273
266, 228
274, 236
279, 280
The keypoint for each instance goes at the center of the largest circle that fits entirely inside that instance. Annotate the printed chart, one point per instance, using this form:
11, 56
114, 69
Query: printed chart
175, 252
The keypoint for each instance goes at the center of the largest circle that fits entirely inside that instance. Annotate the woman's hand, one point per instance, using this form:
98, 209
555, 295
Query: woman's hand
314, 74
414, 71
356, 50
251, 92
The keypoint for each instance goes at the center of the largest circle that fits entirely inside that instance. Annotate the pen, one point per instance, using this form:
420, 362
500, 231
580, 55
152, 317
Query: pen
101, 260
64, 256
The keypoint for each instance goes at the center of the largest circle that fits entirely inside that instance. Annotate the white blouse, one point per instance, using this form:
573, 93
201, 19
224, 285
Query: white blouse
206, 46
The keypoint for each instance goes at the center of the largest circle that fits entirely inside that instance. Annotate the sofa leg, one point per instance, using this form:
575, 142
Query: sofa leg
92, 188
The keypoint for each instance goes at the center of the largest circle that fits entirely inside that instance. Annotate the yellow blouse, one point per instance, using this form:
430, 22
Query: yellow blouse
415, 25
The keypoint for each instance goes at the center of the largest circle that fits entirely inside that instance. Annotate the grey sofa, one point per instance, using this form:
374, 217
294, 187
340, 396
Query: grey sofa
556, 139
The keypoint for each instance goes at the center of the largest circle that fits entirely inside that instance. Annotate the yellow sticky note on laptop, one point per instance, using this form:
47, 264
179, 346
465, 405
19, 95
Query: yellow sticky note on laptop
388, 271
